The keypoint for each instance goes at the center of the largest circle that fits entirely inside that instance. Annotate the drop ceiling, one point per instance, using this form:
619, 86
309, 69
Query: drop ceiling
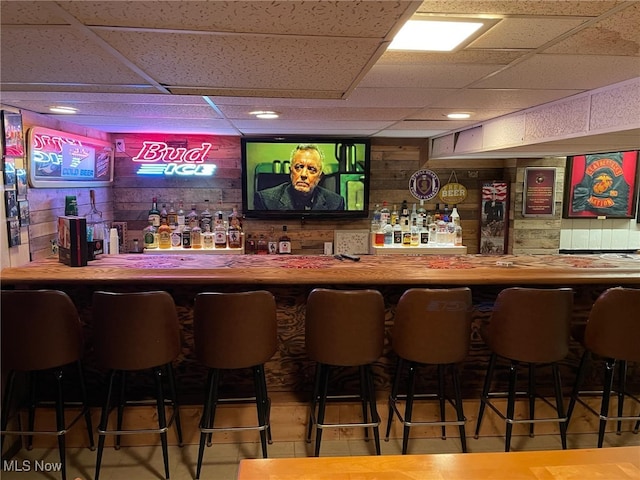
202, 66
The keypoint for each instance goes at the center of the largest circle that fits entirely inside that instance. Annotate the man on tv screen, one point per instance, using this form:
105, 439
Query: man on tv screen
303, 191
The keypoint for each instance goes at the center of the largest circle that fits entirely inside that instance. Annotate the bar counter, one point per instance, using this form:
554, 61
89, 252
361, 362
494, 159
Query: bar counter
291, 277
410, 270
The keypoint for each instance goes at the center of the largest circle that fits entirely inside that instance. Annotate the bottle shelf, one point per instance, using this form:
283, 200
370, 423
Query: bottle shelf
194, 251
423, 250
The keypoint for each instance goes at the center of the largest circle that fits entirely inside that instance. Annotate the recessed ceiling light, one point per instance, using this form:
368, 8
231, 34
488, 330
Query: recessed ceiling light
458, 115
264, 114
439, 35
61, 109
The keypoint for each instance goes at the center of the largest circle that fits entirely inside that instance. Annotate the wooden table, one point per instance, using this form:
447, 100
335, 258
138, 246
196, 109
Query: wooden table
617, 463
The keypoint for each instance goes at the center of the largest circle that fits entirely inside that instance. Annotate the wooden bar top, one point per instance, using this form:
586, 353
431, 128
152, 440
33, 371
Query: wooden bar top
619, 463
425, 270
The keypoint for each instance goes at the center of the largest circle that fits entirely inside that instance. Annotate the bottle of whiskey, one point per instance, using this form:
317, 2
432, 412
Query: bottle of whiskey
180, 218
172, 216
415, 233
207, 238
284, 242
262, 247
154, 213
164, 234
164, 215
176, 238
235, 219
424, 232
397, 232
219, 233
196, 236
206, 218
235, 236
186, 236
150, 235
406, 233
192, 217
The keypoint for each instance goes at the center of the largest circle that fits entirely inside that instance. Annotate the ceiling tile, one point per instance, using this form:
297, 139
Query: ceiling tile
429, 76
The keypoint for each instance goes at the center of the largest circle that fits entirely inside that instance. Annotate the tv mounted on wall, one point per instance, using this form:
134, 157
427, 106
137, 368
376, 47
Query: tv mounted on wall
305, 177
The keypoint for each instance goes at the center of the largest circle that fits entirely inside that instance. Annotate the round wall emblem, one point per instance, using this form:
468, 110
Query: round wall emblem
424, 184
453, 193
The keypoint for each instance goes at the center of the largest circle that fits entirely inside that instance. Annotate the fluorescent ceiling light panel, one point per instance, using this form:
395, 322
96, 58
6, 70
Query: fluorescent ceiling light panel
435, 35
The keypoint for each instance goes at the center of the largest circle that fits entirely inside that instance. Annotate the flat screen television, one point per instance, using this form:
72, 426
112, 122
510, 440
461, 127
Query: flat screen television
305, 177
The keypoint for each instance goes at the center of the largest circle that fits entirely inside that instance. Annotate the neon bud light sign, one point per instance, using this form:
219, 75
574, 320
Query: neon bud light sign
158, 158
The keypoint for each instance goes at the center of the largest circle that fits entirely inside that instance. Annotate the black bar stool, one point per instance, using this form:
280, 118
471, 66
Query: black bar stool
612, 332
41, 333
234, 331
431, 326
344, 328
527, 325
131, 332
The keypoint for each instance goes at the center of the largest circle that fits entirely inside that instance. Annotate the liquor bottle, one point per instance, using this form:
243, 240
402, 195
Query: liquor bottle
262, 247
180, 218
235, 219
404, 212
186, 236
375, 220
385, 215
406, 233
415, 233
154, 213
397, 232
458, 231
196, 236
414, 214
445, 216
422, 212
437, 215
192, 217
394, 215
388, 234
206, 218
284, 242
455, 216
176, 238
150, 235
219, 232
424, 232
250, 245
234, 235
172, 216
164, 234
164, 214
207, 238
378, 236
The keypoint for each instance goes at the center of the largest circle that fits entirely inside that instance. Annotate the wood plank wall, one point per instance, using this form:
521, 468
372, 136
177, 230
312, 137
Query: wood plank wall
393, 162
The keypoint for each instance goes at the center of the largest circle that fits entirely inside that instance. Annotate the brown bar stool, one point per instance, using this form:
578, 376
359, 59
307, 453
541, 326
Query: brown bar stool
41, 333
431, 326
131, 332
612, 332
234, 331
528, 325
344, 328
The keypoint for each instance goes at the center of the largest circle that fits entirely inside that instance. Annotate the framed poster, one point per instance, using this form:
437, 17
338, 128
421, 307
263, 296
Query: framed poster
23, 207
9, 173
12, 135
539, 192
59, 159
601, 185
494, 217
13, 230
21, 177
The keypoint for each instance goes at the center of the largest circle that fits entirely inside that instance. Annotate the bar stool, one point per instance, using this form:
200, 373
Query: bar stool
612, 332
234, 331
132, 332
431, 326
41, 333
531, 326
344, 328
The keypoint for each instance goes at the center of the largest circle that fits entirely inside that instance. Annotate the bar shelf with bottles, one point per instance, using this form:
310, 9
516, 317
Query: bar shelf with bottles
171, 231
416, 232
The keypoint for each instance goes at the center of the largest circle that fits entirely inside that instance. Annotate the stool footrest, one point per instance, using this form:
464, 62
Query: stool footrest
48, 432
259, 427
435, 423
527, 420
141, 430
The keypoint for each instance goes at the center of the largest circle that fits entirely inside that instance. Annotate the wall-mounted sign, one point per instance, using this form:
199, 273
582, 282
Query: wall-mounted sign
424, 184
453, 192
539, 192
61, 159
160, 158
493, 217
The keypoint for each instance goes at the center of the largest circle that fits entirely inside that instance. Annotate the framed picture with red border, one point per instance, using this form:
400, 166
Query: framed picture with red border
601, 185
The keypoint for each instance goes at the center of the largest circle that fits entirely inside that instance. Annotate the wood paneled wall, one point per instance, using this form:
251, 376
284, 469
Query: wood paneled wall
393, 162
